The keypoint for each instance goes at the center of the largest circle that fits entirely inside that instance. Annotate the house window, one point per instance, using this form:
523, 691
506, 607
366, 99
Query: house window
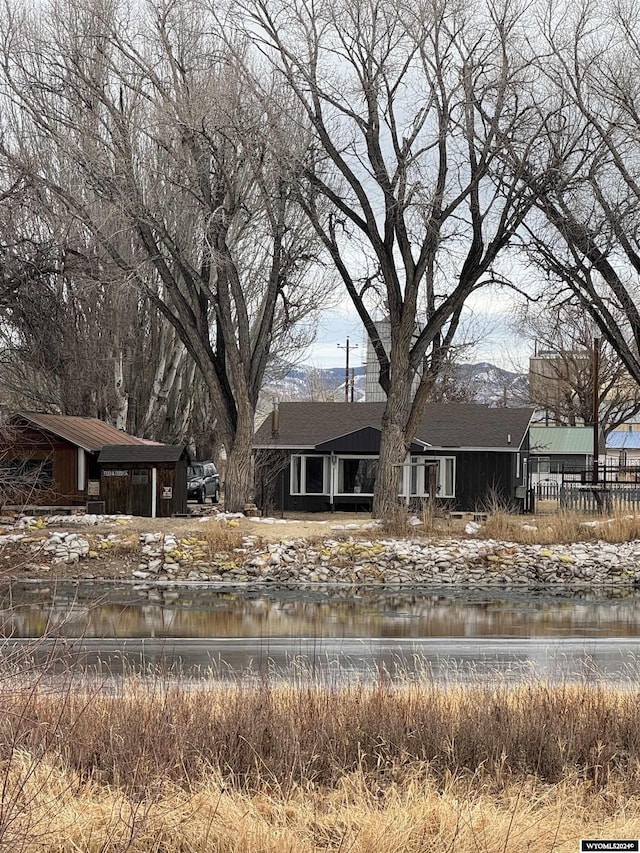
445, 476
540, 464
357, 475
139, 477
309, 475
34, 473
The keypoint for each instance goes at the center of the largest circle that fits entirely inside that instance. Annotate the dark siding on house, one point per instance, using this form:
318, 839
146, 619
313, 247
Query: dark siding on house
480, 474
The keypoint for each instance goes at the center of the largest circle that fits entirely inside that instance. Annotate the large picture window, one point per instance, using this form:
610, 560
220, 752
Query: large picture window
445, 476
309, 475
357, 476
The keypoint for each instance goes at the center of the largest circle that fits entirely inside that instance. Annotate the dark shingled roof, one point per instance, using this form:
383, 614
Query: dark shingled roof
445, 425
117, 454
89, 433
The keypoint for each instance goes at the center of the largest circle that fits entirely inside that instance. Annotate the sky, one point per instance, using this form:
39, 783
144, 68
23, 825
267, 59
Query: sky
499, 343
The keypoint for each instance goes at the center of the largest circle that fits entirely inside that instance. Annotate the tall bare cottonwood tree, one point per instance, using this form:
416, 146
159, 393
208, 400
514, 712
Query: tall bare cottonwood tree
583, 233
408, 104
140, 121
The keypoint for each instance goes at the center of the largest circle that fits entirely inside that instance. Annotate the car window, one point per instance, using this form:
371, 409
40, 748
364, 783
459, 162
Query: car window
195, 471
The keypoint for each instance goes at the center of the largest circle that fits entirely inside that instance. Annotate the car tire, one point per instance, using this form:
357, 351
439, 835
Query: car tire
202, 496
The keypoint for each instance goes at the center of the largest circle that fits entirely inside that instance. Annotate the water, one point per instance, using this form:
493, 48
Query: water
329, 633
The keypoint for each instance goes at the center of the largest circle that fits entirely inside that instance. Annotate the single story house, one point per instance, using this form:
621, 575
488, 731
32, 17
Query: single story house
554, 449
148, 480
61, 454
463, 454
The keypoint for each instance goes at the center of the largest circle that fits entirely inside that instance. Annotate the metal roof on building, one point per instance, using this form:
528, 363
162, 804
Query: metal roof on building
445, 425
549, 440
116, 454
90, 434
623, 439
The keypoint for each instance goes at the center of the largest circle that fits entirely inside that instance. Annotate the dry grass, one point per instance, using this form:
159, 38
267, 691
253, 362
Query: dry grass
561, 528
315, 735
221, 538
68, 814
260, 767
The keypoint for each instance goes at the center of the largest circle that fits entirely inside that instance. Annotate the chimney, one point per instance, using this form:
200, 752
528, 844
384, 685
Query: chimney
275, 420
509, 438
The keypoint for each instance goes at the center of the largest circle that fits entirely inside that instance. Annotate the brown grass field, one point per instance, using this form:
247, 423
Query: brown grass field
252, 766
160, 765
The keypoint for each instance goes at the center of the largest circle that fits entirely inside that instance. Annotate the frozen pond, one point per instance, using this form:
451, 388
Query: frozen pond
327, 632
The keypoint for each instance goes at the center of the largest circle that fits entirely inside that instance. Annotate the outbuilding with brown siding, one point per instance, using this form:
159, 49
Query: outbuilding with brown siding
148, 479
62, 451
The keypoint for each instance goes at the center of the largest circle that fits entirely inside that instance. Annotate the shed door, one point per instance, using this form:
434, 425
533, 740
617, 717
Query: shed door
141, 491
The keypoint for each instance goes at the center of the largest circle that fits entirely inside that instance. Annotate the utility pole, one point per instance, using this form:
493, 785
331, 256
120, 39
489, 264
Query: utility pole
596, 407
347, 347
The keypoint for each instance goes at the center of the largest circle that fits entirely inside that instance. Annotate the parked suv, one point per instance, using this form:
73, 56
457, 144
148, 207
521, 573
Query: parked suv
203, 481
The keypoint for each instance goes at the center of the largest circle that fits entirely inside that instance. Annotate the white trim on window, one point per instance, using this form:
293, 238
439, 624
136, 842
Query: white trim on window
540, 464
445, 476
298, 474
363, 477
351, 475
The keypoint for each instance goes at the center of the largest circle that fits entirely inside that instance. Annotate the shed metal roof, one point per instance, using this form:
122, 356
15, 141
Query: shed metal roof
549, 440
117, 454
91, 434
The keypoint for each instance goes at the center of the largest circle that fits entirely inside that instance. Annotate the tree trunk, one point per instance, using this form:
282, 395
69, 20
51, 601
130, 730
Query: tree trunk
238, 484
386, 505
120, 408
393, 444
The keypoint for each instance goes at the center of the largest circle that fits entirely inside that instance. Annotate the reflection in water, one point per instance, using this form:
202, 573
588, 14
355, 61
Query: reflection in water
571, 633
122, 610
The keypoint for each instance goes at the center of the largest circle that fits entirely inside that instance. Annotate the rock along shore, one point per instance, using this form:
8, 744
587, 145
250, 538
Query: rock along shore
164, 557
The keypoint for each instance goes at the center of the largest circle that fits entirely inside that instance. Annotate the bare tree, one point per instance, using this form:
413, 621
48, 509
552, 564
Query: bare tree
408, 106
582, 238
141, 123
76, 338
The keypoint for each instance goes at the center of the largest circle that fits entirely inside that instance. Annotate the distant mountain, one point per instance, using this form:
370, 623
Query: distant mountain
493, 385
482, 383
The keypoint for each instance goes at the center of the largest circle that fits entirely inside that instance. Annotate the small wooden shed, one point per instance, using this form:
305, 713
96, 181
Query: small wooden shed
145, 479
62, 451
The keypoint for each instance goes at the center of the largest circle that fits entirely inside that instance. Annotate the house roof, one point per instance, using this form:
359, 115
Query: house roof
122, 454
549, 440
623, 439
445, 425
88, 433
